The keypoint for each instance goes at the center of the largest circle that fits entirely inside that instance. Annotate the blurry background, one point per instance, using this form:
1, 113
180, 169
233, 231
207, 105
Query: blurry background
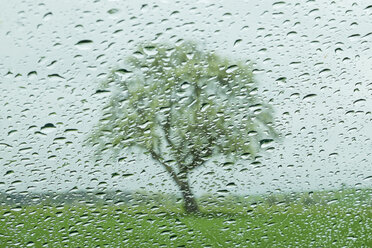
313, 61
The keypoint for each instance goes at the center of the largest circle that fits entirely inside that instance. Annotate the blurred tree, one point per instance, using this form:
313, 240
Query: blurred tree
181, 105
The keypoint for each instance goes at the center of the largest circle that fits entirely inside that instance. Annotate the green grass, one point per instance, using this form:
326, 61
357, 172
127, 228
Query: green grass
340, 223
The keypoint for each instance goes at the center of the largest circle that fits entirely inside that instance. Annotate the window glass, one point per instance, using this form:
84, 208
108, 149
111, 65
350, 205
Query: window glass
185, 123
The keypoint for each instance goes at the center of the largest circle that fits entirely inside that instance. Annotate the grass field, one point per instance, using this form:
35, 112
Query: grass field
342, 220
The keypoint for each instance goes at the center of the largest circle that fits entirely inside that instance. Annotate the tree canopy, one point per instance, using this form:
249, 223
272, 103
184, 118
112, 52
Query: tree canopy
182, 105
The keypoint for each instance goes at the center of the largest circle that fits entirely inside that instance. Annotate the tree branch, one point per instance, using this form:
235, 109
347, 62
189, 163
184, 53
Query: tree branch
198, 159
166, 129
168, 168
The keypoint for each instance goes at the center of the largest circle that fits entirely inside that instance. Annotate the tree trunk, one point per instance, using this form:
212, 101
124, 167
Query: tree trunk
189, 201
182, 181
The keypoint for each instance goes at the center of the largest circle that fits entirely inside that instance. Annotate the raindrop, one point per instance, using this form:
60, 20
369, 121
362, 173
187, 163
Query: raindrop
47, 128
324, 71
150, 50
185, 85
9, 172
113, 11
265, 143
237, 42
32, 74
126, 175
232, 68
55, 76
359, 101
47, 16
84, 44
309, 97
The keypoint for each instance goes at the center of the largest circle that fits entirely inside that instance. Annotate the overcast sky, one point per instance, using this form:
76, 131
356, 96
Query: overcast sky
299, 48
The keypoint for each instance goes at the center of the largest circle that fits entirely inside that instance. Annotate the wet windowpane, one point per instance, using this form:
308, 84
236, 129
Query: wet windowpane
185, 124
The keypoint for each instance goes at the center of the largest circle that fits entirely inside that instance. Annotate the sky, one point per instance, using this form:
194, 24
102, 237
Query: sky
313, 61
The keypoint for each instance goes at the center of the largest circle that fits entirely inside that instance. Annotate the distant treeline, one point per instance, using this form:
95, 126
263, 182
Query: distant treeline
57, 198
344, 196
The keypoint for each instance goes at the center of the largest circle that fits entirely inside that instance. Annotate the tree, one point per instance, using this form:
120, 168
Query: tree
182, 105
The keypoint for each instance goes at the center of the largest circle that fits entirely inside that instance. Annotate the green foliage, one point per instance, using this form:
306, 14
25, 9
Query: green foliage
344, 223
183, 105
